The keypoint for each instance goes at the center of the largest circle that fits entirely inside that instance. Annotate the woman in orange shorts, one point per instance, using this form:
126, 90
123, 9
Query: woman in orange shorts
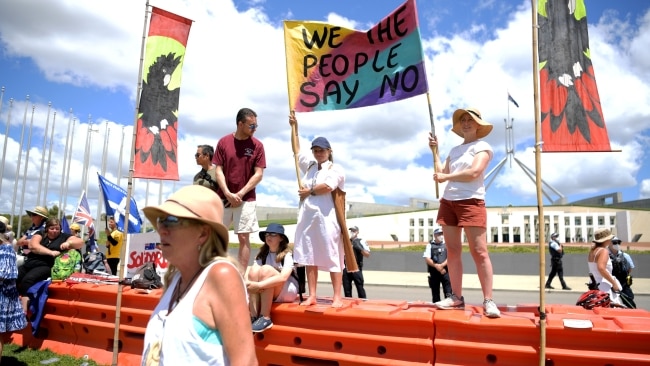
462, 206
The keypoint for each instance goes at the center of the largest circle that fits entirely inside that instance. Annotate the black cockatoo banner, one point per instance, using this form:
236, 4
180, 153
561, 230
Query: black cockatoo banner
157, 126
571, 113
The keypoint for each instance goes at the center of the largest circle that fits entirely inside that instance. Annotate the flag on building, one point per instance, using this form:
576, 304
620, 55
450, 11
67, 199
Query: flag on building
510, 98
83, 217
157, 125
115, 204
571, 114
331, 67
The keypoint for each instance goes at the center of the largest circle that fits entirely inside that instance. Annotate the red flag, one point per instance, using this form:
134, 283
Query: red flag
157, 126
572, 117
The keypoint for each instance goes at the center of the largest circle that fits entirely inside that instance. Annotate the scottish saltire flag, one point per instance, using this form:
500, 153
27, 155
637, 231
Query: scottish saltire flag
330, 67
115, 204
571, 113
511, 99
65, 228
157, 125
83, 217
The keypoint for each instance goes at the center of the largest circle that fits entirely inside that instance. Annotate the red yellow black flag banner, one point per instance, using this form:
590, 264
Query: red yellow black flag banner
571, 113
157, 125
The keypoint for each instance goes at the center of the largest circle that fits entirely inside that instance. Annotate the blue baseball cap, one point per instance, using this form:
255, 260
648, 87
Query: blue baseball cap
320, 142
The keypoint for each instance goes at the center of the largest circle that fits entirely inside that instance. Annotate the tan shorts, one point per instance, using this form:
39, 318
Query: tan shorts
243, 218
462, 213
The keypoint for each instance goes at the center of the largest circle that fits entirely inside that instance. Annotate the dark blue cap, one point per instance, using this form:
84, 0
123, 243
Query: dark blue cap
437, 231
320, 142
273, 228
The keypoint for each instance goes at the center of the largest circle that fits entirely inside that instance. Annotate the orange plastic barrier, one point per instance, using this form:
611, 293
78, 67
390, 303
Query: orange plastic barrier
80, 320
360, 333
574, 336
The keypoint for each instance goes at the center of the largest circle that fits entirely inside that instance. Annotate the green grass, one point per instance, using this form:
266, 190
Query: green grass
14, 355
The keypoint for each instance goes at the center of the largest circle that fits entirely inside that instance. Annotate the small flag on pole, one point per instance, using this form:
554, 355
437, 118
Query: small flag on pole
65, 227
510, 98
115, 204
83, 217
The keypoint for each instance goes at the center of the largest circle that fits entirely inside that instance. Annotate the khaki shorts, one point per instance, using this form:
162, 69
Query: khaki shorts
243, 218
462, 213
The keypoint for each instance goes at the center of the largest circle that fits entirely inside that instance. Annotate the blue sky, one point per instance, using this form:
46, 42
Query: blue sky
84, 56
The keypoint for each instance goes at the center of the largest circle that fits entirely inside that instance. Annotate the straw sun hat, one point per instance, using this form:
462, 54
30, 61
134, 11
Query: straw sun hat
38, 210
192, 202
484, 128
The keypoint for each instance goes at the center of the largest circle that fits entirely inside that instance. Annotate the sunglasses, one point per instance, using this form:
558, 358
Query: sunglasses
170, 222
253, 126
272, 234
196, 156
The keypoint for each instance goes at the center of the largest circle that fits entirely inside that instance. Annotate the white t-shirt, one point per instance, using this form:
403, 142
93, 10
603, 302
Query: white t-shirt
461, 158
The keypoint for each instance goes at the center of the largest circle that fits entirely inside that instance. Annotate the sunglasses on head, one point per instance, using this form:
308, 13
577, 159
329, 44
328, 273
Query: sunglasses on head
170, 222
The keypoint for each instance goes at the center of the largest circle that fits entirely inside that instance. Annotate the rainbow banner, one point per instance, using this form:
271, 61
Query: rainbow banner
157, 125
331, 67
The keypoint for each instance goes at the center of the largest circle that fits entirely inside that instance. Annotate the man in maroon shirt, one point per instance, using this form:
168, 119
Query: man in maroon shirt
240, 161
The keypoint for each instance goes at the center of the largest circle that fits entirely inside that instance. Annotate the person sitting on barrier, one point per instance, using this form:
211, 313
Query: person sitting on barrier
39, 216
44, 247
271, 278
202, 316
12, 317
600, 265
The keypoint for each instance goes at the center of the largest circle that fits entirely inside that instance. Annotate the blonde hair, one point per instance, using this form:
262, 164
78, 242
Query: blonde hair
212, 249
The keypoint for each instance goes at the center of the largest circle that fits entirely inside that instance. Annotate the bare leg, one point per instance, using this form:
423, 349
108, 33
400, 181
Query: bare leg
24, 302
454, 260
266, 302
337, 282
312, 278
244, 249
479, 251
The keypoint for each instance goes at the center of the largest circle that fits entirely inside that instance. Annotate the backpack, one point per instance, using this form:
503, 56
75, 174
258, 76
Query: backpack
65, 264
94, 262
146, 277
299, 273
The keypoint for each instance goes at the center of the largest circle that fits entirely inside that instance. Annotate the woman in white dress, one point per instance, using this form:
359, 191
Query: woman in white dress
318, 244
600, 265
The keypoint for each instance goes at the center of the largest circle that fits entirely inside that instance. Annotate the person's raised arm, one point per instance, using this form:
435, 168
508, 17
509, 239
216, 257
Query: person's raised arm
36, 247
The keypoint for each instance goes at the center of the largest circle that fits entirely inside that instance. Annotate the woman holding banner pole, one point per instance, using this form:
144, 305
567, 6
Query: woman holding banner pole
319, 242
462, 206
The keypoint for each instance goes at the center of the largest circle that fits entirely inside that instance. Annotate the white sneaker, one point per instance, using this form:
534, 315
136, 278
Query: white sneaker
491, 309
450, 303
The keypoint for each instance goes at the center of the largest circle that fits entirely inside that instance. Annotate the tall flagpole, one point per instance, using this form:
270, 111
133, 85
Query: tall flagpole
40, 176
103, 170
4, 148
65, 157
119, 161
67, 172
129, 190
49, 158
20, 157
538, 181
29, 146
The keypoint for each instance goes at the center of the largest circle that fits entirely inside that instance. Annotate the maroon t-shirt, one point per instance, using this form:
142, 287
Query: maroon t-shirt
239, 158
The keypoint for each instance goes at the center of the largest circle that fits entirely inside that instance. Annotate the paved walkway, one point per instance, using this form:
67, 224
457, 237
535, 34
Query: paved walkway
641, 286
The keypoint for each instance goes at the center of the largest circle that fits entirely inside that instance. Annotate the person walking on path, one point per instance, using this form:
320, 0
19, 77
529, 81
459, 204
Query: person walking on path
361, 249
557, 252
462, 206
435, 255
240, 162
